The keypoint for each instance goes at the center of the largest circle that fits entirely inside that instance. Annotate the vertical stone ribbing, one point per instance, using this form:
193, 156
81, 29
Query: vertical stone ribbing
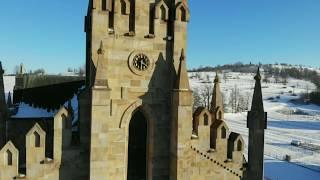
181, 127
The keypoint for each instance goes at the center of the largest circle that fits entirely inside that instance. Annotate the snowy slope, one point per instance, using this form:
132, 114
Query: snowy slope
284, 125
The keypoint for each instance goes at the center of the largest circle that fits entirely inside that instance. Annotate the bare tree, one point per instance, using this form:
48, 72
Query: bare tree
206, 94
266, 78
196, 99
225, 77
234, 98
202, 96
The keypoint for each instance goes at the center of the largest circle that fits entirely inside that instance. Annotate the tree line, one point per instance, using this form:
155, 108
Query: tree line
298, 73
240, 102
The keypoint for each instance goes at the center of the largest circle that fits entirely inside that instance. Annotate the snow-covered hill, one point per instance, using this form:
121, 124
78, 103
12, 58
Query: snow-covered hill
286, 122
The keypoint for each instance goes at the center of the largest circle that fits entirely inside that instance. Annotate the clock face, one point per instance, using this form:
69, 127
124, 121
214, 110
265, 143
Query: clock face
141, 62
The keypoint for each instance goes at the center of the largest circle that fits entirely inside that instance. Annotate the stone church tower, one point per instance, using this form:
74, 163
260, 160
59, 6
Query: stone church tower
135, 49
136, 118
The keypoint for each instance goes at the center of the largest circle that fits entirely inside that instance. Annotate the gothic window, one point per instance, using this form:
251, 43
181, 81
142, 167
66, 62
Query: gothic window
123, 7
132, 16
36, 139
223, 132
239, 145
9, 158
183, 14
104, 5
111, 16
163, 13
206, 119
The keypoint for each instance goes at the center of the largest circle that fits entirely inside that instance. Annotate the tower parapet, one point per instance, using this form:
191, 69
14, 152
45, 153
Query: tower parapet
37, 165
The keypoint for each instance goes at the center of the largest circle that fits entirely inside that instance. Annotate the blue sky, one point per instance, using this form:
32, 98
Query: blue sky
49, 34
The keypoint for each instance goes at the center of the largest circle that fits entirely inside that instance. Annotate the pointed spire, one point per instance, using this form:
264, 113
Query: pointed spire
101, 67
217, 79
21, 69
182, 82
217, 101
257, 101
257, 123
9, 100
101, 50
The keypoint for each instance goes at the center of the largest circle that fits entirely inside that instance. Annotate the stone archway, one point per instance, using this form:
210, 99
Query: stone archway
137, 147
125, 123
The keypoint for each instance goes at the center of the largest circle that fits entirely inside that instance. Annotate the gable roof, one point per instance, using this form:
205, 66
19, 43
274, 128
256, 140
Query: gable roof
50, 97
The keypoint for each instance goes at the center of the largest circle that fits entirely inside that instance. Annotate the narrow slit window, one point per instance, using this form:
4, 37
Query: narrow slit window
239, 146
36, 139
132, 16
223, 132
206, 119
123, 7
111, 16
183, 14
104, 5
9, 158
163, 13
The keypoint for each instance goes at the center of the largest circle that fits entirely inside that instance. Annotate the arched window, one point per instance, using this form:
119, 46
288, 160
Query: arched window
9, 158
163, 13
132, 16
239, 145
36, 139
205, 119
223, 132
123, 7
111, 14
183, 14
104, 5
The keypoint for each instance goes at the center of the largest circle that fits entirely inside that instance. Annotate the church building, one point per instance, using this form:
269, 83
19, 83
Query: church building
135, 114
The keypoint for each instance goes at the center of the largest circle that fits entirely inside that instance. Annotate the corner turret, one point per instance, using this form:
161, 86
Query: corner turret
217, 101
181, 127
182, 79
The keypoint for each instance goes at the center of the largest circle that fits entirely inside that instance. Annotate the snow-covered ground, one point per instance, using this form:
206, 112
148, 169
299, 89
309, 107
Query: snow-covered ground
284, 124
